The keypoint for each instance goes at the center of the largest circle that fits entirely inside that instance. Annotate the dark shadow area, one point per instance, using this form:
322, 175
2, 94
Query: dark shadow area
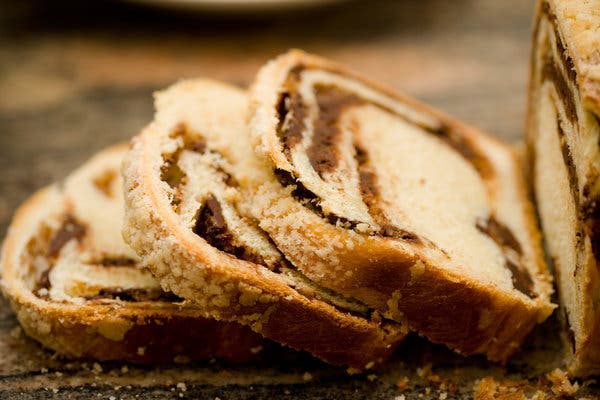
344, 21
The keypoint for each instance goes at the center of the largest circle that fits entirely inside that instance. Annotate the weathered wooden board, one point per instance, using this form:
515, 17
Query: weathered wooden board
75, 77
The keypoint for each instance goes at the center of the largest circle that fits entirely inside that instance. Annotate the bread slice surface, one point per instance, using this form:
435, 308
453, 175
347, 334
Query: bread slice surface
563, 136
77, 288
187, 217
390, 202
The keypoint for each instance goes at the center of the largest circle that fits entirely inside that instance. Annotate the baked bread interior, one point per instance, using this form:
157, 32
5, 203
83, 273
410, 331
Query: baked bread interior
563, 142
77, 288
187, 216
389, 202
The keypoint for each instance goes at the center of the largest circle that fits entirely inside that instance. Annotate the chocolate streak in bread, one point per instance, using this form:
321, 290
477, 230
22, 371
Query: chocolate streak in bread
133, 295
324, 156
589, 207
72, 229
512, 250
552, 63
212, 227
69, 229
211, 224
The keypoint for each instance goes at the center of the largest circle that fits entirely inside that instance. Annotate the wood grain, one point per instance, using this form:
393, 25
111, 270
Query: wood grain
78, 76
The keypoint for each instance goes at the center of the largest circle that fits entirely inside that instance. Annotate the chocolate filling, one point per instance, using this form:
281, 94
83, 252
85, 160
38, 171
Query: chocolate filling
104, 181
500, 233
512, 250
170, 171
292, 114
300, 192
551, 73
70, 229
134, 295
174, 175
568, 160
323, 153
191, 141
521, 278
560, 46
465, 148
590, 212
369, 192
114, 262
73, 229
212, 227
370, 195
43, 282
331, 101
589, 209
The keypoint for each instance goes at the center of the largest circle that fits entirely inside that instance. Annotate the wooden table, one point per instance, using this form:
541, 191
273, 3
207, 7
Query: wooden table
76, 77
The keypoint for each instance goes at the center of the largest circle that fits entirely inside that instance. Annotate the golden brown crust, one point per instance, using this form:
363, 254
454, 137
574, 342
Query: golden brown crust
226, 287
141, 332
403, 283
432, 301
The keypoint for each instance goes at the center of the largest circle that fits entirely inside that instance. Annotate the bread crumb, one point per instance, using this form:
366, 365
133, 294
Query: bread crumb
58, 374
44, 370
286, 392
307, 376
427, 391
401, 397
112, 398
124, 369
370, 365
403, 384
97, 368
443, 396
425, 371
485, 389
181, 386
371, 377
54, 390
353, 371
141, 351
561, 386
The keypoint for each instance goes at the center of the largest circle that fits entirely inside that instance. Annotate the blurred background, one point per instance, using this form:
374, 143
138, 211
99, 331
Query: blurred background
76, 76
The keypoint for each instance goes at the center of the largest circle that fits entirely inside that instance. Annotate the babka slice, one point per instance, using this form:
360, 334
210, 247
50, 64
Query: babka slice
78, 289
187, 217
563, 139
389, 202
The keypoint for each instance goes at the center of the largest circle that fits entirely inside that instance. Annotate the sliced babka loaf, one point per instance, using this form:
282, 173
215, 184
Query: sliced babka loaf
187, 217
79, 289
563, 139
386, 201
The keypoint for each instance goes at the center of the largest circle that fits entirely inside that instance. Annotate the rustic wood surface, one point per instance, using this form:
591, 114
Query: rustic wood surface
77, 76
